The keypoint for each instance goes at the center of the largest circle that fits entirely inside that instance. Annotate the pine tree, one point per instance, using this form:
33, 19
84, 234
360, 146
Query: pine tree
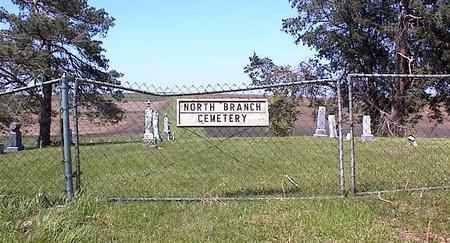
45, 39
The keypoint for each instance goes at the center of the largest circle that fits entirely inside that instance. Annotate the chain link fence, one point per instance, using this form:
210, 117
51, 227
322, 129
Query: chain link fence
110, 159
26, 168
281, 160
298, 154
412, 156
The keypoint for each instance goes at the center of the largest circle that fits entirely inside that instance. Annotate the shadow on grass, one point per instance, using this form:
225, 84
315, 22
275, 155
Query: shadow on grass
88, 144
263, 192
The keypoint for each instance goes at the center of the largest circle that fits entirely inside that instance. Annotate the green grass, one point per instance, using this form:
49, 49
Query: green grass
240, 167
406, 216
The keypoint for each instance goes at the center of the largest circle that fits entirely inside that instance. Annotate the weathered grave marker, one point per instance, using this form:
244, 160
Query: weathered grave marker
367, 135
15, 138
348, 137
2, 148
149, 137
321, 123
155, 123
168, 134
332, 126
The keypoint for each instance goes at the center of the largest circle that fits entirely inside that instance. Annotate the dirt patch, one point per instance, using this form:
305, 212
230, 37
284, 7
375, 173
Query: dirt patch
408, 236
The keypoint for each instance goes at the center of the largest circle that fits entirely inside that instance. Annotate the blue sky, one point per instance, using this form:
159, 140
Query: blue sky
196, 41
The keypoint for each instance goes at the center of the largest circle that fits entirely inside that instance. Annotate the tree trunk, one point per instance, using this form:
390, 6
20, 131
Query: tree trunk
45, 116
400, 86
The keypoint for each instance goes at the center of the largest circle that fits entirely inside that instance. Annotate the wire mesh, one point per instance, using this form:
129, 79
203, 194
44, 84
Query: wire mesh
37, 167
282, 160
410, 155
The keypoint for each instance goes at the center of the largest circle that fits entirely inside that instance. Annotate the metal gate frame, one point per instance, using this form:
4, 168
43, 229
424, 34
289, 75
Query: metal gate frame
353, 159
67, 83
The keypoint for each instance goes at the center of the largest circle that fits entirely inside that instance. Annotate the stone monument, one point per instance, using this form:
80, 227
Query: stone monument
367, 135
168, 134
332, 126
149, 137
15, 138
2, 148
155, 124
321, 123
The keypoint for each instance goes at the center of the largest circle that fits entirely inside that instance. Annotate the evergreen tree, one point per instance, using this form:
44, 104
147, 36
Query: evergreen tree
382, 36
45, 39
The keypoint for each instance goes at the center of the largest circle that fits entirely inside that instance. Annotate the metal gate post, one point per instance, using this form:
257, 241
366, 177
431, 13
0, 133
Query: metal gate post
352, 139
66, 137
340, 141
76, 103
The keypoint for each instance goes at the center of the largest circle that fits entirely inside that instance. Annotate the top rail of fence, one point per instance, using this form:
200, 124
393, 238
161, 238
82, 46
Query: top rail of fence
30, 87
382, 75
173, 94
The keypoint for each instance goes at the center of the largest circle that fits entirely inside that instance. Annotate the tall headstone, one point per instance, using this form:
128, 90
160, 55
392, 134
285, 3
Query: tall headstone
332, 126
367, 135
2, 148
156, 127
15, 138
149, 137
321, 123
168, 134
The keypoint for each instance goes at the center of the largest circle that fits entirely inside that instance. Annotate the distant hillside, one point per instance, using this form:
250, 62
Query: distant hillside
133, 122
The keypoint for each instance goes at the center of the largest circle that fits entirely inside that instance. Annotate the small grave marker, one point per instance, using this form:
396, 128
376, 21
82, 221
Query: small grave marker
149, 137
332, 126
168, 129
15, 138
321, 123
367, 135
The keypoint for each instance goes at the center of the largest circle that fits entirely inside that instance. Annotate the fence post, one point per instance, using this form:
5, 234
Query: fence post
66, 137
340, 141
76, 103
352, 139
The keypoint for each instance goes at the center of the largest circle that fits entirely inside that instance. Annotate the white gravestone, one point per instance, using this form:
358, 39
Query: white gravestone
156, 127
348, 137
367, 135
321, 123
149, 137
167, 129
332, 126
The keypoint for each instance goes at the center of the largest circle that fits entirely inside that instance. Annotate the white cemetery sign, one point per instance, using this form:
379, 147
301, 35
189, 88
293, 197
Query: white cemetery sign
236, 112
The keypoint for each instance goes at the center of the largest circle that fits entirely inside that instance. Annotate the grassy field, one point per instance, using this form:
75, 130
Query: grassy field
396, 218
32, 185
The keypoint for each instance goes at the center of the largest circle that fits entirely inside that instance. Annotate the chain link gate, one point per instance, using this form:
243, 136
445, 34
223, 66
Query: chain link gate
107, 158
210, 163
29, 166
416, 158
